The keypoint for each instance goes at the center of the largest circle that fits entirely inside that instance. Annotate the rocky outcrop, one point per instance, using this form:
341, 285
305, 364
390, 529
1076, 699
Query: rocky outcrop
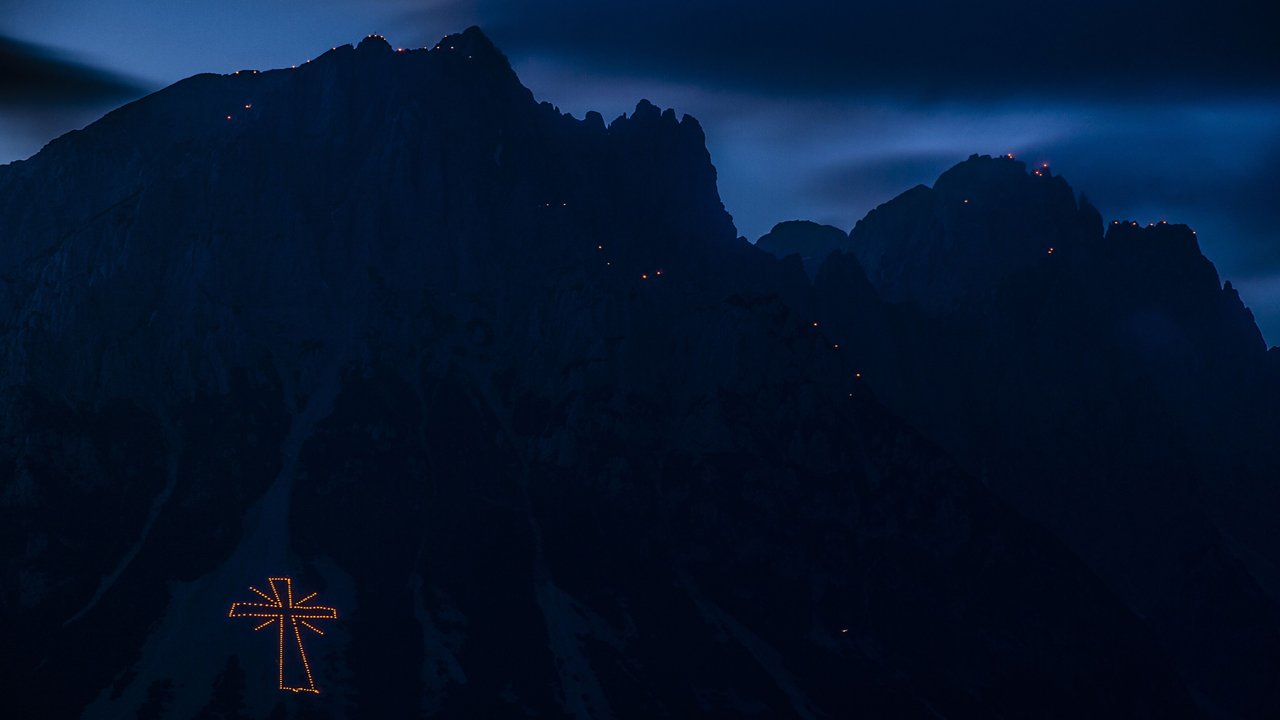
984, 220
809, 240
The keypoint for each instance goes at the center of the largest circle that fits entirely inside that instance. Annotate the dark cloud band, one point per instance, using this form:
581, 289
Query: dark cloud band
922, 48
32, 76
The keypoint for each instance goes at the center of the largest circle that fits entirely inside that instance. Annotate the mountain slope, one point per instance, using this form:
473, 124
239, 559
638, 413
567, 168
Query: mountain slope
504, 388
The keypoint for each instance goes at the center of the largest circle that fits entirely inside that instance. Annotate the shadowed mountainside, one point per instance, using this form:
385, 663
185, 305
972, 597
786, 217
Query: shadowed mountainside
1108, 386
503, 386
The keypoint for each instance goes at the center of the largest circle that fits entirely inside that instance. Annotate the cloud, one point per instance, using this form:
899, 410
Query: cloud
922, 48
33, 77
44, 94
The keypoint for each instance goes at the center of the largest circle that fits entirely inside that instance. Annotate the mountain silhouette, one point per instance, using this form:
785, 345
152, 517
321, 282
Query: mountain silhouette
505, 387
809, 240
1112, 389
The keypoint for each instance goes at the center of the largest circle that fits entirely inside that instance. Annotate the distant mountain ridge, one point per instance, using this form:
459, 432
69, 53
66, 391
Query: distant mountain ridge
808, 240
1109, 386
504, 386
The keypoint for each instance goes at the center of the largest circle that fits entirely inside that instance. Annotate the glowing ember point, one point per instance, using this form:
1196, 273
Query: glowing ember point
644, 277
658, 272
283, 610
815, 323
248, 105
857, 375
1050, 251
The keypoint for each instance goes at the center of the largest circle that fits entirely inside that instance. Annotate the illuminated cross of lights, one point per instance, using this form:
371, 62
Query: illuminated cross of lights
288, 615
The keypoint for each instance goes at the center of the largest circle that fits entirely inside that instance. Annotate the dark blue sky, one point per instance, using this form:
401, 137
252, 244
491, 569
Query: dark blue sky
815, 110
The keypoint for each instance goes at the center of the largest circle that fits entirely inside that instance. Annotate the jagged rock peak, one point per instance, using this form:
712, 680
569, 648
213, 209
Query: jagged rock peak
648, 115
646, 111
473, 44
984, 171
374, 43
1132, 231
984, 219
1163, 239
811, 241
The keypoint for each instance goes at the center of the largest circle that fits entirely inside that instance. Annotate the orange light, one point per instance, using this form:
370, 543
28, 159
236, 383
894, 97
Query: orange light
280, 608
1050, 251
658, 272
644, 277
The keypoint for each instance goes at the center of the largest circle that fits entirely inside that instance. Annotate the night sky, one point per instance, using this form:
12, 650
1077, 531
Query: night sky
814, 110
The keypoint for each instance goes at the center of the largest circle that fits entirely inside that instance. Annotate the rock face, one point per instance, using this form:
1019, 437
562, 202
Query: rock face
1113, 390
504, 388
982, 222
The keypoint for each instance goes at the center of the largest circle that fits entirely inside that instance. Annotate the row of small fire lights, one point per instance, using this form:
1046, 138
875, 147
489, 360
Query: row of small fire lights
399, 50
